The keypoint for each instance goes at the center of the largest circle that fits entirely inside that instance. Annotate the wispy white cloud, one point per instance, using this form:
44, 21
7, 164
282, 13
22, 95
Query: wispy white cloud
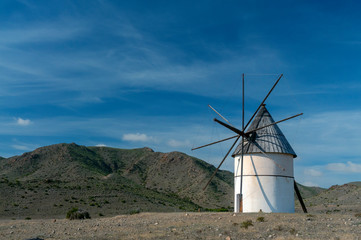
21, 147
134, 63
44, 32
177, 143
310, 184
23, 122
348, 167
312, 172
331, 174
326, 136
136, 137
100, 145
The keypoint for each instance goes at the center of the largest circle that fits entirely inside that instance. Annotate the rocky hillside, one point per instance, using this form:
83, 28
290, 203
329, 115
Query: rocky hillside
308, 192
339, 198
52, 179
108, 181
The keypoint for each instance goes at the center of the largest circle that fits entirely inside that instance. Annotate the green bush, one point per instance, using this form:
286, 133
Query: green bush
134, 211
76, 213
222, 209
260, 219
246, 224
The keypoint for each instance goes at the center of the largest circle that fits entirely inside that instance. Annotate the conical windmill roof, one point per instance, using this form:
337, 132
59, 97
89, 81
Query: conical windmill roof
269, 139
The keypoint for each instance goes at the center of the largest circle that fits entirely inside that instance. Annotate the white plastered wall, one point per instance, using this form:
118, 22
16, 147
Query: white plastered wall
268, 183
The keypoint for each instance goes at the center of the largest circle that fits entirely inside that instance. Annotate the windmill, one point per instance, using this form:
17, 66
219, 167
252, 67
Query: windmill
263, 160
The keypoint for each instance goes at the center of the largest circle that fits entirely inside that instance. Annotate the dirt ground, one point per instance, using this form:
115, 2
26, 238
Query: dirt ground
189, 226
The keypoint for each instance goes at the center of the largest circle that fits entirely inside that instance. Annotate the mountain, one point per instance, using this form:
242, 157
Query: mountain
108, 181
307, 192
356, 183
50, 180
338, 198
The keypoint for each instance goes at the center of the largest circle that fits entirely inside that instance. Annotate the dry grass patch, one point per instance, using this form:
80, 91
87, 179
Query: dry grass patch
246, 224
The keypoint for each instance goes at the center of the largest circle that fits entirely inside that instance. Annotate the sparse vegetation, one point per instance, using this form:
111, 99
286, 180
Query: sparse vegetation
246, 224
222, 209
76, 213
134, 211
260, 219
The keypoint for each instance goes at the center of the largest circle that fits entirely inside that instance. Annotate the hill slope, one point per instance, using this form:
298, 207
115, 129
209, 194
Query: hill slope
339, 198
52, 179
108, 181
308, 192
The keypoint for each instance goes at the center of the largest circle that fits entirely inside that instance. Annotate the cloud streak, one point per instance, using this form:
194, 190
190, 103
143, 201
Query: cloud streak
100, 145
313, 172
42, 33
348, 167
327, 135
137, 137
23, 122
21, 147
177, 143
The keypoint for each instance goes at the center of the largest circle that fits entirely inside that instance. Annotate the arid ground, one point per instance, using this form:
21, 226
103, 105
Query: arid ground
190, 226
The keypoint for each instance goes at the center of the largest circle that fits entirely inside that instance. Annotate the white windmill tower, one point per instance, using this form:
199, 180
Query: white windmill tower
264, 179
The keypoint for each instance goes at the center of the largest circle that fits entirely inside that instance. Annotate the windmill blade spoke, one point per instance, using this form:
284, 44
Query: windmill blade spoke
254, 130
219, 114
236, 130
221, 163
209, 144
254, 114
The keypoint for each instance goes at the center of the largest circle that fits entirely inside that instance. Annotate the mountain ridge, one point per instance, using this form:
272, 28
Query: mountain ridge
51, 179
138, 179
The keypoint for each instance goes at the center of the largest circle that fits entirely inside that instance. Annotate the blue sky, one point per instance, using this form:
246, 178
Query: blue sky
130, 74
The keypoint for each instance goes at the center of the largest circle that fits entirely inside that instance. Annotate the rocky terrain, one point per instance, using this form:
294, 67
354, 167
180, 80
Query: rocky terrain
190, 226
342, 199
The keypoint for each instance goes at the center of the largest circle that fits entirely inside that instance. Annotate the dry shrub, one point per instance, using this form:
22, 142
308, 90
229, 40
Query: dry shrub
76, 213
246, 224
